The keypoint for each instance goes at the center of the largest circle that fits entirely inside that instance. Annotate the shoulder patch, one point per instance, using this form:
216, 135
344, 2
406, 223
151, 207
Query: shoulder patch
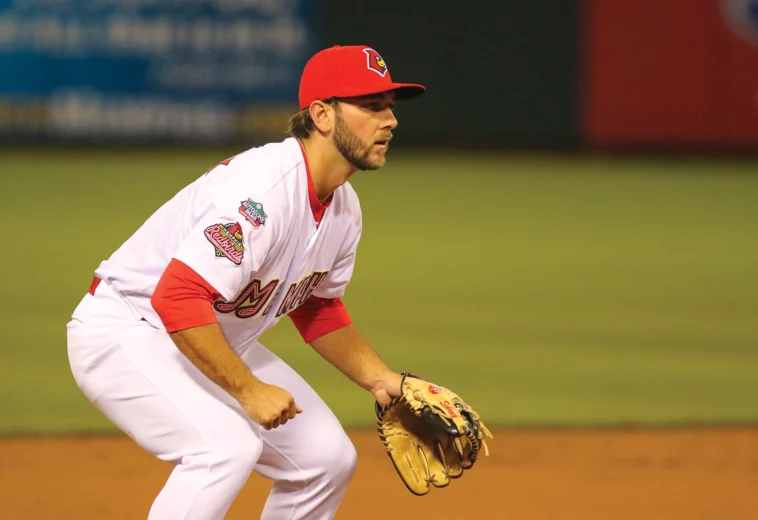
227, 239
253, 212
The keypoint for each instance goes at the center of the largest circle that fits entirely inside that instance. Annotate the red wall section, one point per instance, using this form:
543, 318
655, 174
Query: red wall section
670, 72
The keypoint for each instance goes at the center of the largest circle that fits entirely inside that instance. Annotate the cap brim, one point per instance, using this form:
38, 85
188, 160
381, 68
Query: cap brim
407, 90
402, 90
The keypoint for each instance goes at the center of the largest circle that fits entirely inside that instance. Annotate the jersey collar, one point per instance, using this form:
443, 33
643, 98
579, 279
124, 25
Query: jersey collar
317, 208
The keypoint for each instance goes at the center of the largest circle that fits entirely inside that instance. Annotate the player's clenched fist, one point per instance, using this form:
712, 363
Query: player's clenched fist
269, 405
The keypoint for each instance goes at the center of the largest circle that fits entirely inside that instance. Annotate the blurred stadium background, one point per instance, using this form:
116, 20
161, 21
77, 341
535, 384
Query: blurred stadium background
566, 229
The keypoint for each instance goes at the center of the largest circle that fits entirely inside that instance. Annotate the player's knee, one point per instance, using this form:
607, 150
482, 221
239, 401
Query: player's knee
236, 459
338, 458
349, 460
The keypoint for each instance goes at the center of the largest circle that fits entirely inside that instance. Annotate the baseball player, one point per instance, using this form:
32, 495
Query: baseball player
165, 343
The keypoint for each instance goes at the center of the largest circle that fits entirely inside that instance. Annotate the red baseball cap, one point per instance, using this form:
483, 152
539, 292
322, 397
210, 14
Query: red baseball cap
349, 71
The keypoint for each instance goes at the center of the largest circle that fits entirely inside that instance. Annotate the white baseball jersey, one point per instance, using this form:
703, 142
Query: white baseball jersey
247, 227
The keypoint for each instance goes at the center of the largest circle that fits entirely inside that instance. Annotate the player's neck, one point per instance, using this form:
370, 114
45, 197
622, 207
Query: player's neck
329, 169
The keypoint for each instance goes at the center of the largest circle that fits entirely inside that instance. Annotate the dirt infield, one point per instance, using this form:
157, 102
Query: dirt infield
560, 474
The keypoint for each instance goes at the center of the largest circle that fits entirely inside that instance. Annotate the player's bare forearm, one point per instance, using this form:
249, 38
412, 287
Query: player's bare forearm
209, 351
207, 348
346, 349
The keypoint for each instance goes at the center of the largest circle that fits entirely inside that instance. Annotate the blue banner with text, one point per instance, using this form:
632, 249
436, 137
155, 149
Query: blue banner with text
147, 69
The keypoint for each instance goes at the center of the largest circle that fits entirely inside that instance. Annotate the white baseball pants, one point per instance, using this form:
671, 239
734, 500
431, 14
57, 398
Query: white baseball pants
135, 375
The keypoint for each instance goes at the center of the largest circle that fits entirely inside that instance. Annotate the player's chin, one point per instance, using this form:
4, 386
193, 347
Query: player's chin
378, 157
375, 163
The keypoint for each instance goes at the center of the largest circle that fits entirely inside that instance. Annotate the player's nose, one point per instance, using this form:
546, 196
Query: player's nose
390, 120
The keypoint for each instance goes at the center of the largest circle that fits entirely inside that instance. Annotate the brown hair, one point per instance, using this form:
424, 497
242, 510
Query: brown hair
301, 124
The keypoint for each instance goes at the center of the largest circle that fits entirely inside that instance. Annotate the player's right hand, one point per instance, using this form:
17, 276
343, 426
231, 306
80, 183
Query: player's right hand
269, 405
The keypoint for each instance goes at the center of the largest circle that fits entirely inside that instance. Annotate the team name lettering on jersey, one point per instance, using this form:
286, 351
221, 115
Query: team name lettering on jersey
250, 301
255, 296
301, 291
227, 240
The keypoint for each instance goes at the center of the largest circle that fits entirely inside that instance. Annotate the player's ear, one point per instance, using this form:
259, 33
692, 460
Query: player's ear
323, 116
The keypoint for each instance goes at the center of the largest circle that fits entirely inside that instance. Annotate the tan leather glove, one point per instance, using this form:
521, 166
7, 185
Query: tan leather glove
430, 433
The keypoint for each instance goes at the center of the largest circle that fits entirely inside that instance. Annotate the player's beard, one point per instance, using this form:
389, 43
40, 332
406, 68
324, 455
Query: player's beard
352, 148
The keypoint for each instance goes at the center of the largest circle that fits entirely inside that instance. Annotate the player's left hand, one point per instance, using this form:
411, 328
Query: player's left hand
387, 388
431, 434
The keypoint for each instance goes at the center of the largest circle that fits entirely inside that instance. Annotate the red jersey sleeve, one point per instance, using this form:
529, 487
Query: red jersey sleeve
183, 299
320, 316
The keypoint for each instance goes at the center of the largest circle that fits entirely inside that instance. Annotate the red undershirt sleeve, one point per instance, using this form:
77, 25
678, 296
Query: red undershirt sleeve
320, 316
183, 299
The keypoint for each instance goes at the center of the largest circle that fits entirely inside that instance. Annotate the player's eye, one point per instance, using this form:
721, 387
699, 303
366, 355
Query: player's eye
378, 107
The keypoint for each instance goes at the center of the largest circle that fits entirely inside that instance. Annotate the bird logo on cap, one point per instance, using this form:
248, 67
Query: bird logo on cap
375, 62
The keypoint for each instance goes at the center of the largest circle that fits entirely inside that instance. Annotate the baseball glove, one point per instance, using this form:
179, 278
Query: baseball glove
430, 434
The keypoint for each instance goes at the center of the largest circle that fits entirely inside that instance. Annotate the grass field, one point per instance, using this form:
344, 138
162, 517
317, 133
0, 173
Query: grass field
546, 290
